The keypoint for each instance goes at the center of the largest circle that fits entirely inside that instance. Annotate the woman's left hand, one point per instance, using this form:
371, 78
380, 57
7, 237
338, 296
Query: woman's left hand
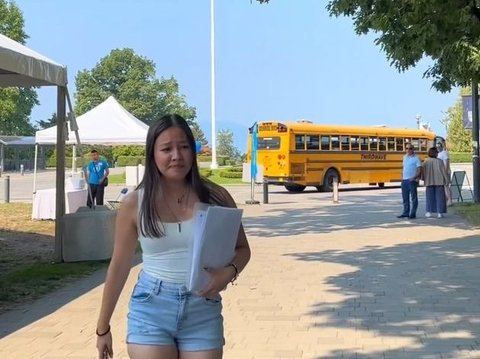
219, 281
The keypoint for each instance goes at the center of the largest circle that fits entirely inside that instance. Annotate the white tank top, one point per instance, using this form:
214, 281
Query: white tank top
167, 257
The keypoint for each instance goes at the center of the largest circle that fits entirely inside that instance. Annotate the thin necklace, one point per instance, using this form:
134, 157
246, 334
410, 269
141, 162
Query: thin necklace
182, 197
180, 202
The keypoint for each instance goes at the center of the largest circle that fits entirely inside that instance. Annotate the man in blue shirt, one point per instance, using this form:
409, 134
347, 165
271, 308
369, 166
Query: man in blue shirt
97, 173
412, 168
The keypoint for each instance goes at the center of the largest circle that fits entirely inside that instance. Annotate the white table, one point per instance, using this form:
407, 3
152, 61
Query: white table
44, 202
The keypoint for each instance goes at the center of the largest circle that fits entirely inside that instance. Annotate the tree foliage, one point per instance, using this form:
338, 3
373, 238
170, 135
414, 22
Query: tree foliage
11, 21
198, 133
15, 103
131, 79
226, 146
447, 31
49, 122
459, 139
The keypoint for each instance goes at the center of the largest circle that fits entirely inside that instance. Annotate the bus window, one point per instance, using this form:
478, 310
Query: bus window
382, 144
268, 143
400, 142
335, 143
423, 144
355, 143
416, 143
345, 141
364, 143
313, 142
391, 144
325, 143
300, 142
373, 144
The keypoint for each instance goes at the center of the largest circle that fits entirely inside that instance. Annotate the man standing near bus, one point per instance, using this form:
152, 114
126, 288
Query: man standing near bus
412, 168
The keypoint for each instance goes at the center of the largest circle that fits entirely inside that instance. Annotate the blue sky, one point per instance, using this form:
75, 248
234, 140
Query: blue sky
283, 61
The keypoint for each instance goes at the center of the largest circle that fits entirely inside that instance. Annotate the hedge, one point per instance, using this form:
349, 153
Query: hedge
52, 162
232, 172
221, 160
123, 161
227, 174
205, 172
202, 158
235, 169
460, 157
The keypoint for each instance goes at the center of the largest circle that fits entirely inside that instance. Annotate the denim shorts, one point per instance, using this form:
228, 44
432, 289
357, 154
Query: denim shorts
163, 313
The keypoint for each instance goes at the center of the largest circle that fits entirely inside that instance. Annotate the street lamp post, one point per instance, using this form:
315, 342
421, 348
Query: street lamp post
418, 117
214, 163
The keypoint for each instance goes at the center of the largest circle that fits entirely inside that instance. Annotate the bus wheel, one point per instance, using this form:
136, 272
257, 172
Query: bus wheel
328, 180
381, 184
294, 187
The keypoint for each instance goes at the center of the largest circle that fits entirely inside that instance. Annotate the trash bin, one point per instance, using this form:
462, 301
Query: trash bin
88, 234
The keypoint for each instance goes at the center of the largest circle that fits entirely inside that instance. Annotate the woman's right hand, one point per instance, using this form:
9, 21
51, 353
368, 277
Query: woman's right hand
104, 346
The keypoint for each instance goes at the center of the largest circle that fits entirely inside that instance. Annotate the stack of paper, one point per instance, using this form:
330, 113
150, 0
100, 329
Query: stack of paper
213, 245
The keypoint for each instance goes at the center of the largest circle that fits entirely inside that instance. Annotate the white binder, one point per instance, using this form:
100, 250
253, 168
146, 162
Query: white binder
214, 240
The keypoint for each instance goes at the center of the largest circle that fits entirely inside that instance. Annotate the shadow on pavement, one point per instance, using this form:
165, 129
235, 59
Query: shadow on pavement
24, 315
355, 212
414, 279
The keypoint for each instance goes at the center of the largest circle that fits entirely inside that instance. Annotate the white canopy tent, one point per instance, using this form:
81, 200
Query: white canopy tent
23, 67
108, 123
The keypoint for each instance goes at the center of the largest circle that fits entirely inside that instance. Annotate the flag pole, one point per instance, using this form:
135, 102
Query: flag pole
253, 164
214, 163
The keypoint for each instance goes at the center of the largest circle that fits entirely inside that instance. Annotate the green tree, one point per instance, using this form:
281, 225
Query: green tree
198, 133
15, 103
447, 31
459, 139
226, 146
131, 79
49, 122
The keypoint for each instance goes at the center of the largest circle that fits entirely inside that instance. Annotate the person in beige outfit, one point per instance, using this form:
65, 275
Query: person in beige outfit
443, 155
435, 178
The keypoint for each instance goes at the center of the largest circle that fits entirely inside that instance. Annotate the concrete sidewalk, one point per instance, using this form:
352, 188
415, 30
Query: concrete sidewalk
326, 281
21, 187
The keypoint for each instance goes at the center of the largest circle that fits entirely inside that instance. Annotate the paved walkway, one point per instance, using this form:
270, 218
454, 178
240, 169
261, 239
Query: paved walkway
21, 187
326, 281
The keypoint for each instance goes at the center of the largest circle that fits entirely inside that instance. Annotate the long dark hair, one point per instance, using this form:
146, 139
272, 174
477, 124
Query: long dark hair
207, 192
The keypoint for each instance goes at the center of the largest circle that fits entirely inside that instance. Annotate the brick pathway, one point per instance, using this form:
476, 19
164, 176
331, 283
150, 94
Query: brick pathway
325, 281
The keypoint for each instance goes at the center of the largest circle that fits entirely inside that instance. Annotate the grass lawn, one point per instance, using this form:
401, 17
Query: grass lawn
471, 211
215, 177
27, 269
117, 179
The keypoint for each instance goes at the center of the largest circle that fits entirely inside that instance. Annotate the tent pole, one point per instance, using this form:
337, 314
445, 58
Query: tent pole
60, 173
74, 159
72, 118
35, 169
1, 159
74, 128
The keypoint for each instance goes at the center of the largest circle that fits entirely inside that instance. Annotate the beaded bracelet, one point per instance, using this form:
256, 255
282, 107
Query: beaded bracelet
236, 272
102, 334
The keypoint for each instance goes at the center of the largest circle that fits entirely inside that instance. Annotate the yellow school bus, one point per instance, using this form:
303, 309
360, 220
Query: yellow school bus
299, 154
